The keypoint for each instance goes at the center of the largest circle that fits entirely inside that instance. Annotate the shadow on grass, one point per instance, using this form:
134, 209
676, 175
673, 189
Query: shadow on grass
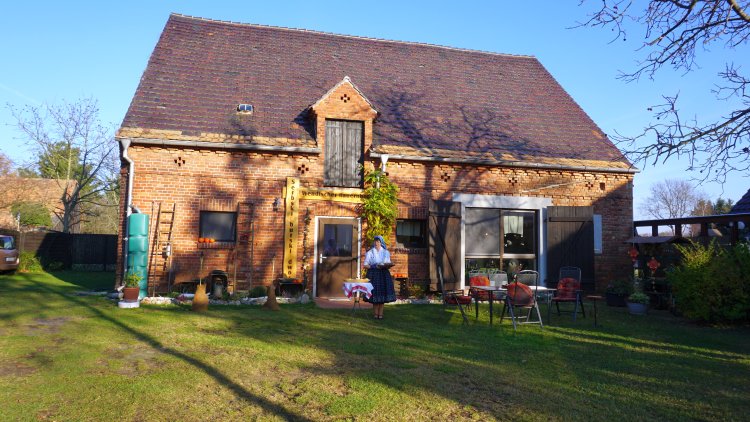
200, 365
653, 369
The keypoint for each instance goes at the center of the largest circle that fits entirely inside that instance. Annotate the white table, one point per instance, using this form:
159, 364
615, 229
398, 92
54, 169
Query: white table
354, 287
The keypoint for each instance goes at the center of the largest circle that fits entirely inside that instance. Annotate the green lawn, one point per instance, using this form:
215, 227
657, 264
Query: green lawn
69, 357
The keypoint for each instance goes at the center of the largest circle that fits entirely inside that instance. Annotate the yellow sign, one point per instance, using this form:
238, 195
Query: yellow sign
290, 227
336, 195
292, 194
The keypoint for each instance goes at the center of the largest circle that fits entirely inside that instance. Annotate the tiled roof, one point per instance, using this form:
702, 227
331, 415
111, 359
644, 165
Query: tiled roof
429, 98
743, 205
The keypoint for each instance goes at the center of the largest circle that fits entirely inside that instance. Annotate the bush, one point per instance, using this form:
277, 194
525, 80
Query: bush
416, 291
639, 297
712, 283
29, 263
257, 291
620, 287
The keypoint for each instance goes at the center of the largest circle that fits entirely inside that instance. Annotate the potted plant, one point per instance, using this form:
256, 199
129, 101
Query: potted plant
617, 292
132, 289
638, 303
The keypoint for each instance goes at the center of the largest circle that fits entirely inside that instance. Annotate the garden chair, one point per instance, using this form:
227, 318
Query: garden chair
569, 290
521, 296
478, 279
454, 297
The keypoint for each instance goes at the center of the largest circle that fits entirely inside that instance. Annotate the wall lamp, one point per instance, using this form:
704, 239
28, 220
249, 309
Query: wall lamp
276, 203
383, 162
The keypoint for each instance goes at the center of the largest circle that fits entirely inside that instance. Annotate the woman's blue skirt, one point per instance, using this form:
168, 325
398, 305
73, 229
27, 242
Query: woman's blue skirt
382, 286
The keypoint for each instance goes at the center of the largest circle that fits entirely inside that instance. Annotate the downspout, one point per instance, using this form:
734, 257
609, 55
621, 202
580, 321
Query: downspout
128, 203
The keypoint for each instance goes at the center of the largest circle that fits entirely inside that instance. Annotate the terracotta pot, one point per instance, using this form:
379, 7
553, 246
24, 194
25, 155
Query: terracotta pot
200, 300
130, 294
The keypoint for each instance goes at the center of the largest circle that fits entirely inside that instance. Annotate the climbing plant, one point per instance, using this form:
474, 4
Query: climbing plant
380, 205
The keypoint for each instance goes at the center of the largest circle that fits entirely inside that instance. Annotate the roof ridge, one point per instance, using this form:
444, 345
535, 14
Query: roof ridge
468, 50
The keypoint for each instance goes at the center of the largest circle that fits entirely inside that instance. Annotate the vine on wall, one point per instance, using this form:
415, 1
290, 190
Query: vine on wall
380, 207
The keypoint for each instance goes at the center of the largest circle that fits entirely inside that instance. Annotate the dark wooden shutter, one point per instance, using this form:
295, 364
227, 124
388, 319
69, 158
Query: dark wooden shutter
343, 153
570, 242
352, 154
445, 243
333, 153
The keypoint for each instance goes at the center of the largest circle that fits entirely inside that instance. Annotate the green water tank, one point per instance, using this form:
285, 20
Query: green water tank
138, 249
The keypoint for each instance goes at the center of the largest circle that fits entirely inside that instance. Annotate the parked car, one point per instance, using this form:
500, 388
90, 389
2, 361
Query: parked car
8, 253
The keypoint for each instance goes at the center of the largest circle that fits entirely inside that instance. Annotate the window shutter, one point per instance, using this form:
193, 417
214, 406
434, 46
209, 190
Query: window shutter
352, 154
343, 153
333, 154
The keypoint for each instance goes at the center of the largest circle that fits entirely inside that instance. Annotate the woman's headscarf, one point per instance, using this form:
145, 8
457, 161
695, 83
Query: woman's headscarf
382, 242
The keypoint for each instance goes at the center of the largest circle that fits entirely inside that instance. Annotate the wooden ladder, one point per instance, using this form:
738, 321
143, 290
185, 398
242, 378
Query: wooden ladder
161, 249
243, 250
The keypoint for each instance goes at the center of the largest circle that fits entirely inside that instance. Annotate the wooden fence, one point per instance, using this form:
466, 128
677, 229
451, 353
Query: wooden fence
91, 252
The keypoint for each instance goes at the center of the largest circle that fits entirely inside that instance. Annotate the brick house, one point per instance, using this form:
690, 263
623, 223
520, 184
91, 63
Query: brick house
256, 135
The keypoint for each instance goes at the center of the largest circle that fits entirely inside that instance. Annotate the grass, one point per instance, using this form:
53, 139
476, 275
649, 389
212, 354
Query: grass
69, 357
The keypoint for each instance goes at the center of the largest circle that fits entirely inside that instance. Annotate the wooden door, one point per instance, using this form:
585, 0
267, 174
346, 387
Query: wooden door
445, 243
337, 255
570, 242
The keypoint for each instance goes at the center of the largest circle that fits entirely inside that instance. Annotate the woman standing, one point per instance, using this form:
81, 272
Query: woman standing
377, 262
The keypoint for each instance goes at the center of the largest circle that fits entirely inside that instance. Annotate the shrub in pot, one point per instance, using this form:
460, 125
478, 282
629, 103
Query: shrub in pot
638, 303
132, 288
617, 292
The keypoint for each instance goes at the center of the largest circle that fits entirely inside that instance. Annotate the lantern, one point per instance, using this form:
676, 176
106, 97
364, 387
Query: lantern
633, 252
653, 264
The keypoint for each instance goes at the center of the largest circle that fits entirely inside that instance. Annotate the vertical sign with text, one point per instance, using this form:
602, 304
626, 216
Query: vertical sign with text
290, 227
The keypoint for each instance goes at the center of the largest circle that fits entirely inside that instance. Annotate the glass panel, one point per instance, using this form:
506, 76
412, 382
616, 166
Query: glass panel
6, 242
338, 240
519, 232
482, 231
411, 234
513, 265
218, 225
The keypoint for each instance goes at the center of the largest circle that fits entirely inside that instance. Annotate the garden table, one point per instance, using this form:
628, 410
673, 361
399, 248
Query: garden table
356, 288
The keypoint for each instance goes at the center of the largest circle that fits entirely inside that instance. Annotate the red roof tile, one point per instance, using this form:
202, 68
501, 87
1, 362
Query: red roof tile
430, 98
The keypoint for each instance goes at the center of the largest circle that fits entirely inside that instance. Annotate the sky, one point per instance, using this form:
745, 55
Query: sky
63, 51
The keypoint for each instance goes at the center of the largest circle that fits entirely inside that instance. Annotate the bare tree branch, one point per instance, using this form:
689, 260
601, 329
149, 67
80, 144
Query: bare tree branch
675, 32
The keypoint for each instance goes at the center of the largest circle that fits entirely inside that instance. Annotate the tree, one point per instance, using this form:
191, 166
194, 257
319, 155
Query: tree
75, 149
706, 207
676, 31
671, 198
32, 214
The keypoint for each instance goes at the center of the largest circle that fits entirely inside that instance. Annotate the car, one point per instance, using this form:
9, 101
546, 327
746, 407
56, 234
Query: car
8, 253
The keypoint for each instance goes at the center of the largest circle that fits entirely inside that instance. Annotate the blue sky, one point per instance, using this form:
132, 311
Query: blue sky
53, 51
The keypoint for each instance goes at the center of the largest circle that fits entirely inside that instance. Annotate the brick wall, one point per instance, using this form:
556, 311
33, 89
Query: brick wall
217, 179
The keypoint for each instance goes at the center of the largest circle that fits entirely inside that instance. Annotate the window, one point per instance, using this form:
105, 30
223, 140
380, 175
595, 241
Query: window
221, 226
499, 238
343, 154
598, 234
411, 234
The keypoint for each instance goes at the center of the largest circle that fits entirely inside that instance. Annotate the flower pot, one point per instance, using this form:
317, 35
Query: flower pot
614, 299
200, 300
130, 294
637, 308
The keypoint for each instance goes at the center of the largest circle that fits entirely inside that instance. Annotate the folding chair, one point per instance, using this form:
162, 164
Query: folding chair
520, 295
569, 290
454, 297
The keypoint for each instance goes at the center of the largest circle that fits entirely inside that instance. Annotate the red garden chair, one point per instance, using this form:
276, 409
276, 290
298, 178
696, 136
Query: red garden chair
521, 296
569, 290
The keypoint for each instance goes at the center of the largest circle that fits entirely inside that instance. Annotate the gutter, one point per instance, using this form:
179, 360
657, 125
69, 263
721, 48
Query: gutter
218, 145
128, 203
483, 161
